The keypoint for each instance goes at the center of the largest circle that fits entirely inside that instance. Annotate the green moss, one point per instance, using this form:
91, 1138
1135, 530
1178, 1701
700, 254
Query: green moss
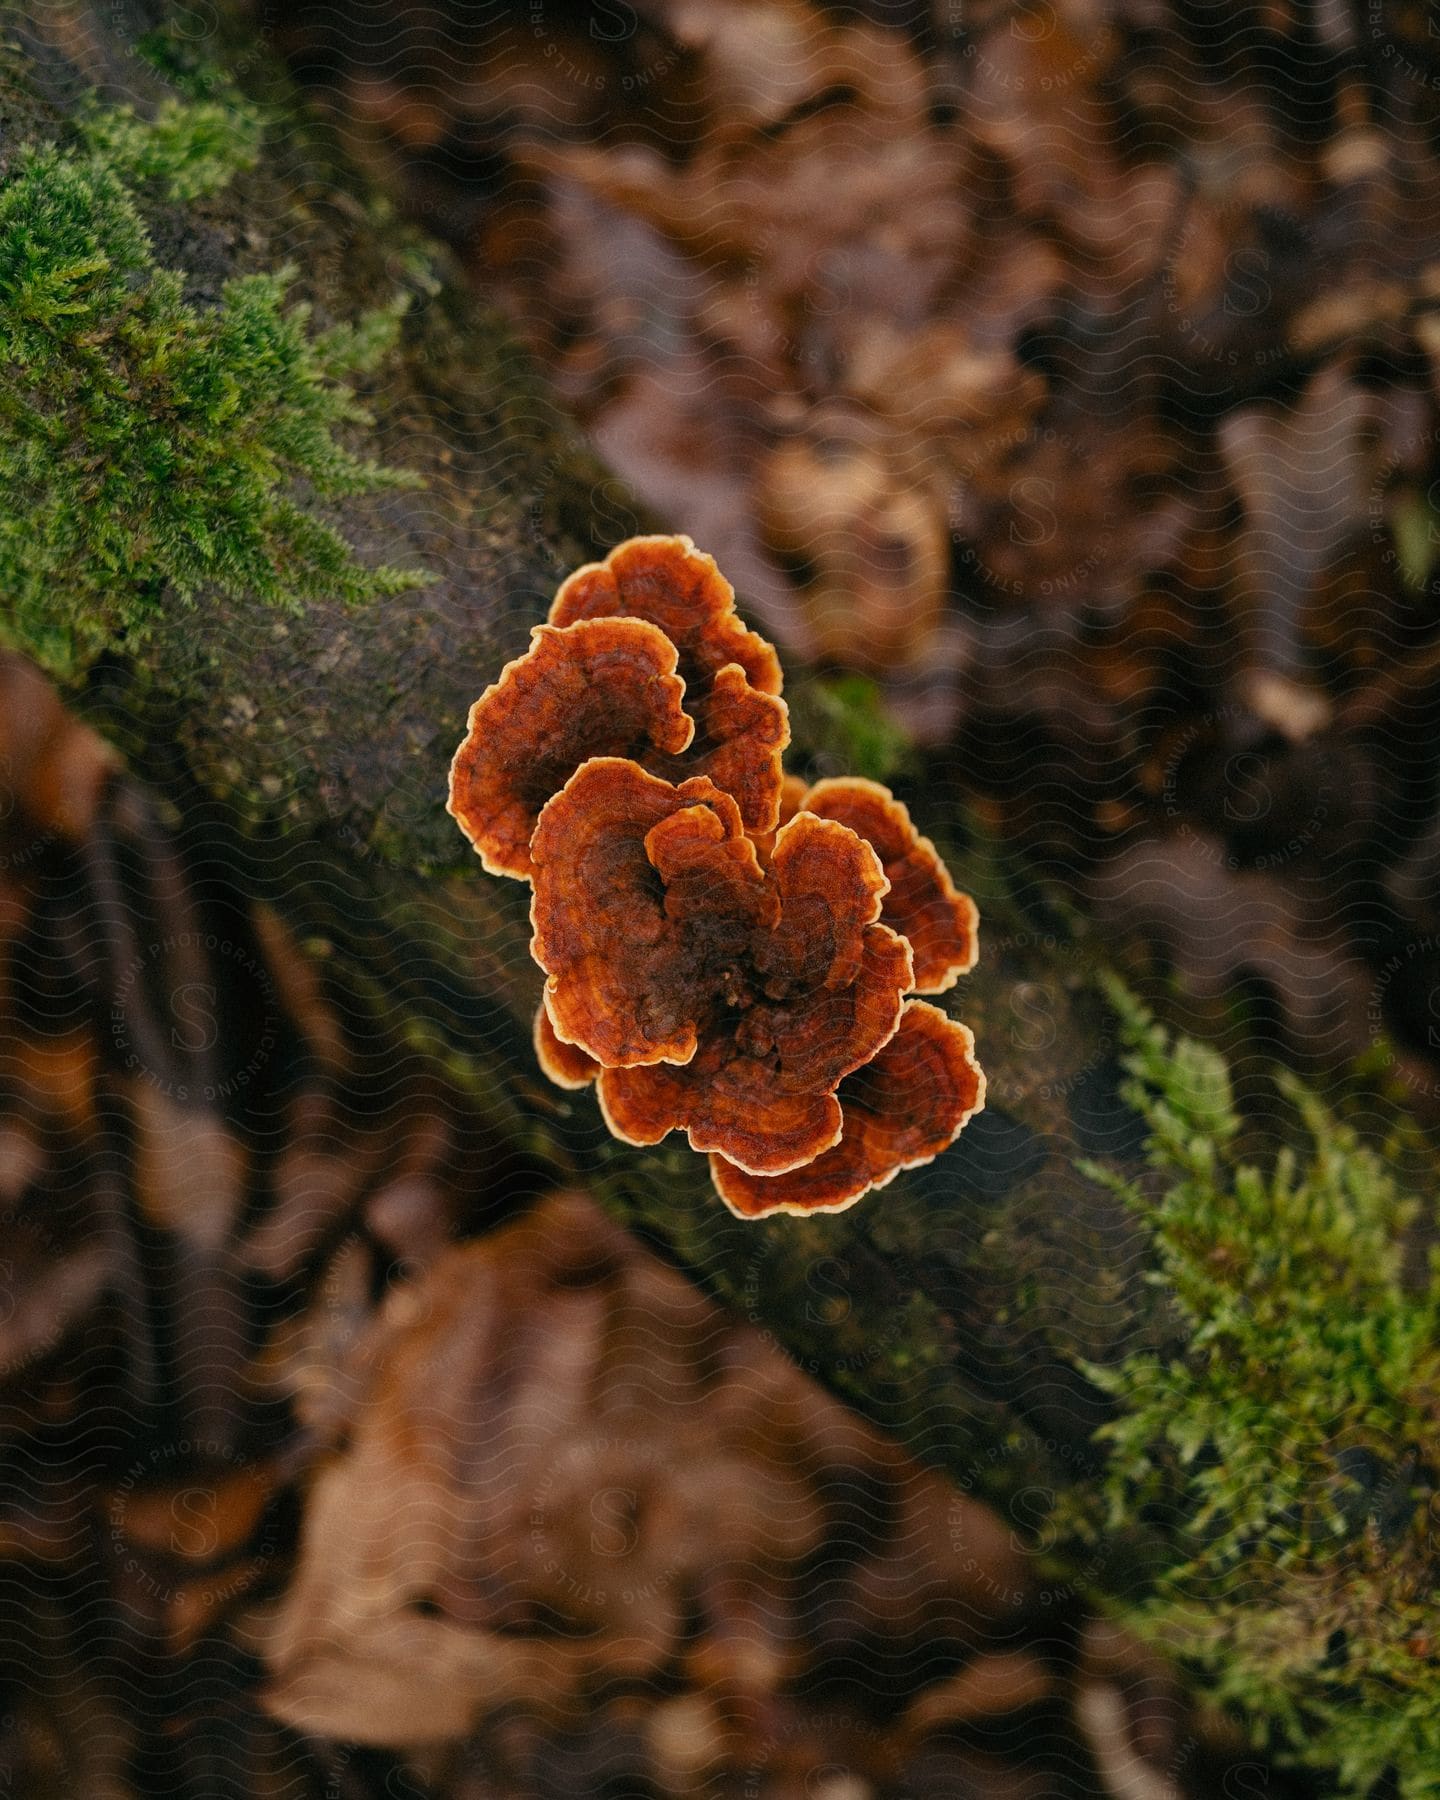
152, 448
843, 722
189, 148
1287, 1455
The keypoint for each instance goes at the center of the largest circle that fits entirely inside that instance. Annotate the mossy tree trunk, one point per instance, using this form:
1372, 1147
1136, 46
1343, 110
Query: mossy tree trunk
315, 750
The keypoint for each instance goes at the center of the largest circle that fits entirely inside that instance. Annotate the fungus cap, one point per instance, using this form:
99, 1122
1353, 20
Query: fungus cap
732, 674
606, 686
923, 903
724, 947
761, 1090
670, 583
567, 1065
812, 997
618, 949
900, 1110
722, 998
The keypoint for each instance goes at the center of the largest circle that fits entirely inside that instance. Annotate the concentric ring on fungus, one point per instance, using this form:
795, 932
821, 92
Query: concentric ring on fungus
607, 687
665, 942
905, 1106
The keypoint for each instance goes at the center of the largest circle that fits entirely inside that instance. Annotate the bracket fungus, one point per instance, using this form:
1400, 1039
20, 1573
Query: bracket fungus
900, 1109
599, 679
606, 686
727, 952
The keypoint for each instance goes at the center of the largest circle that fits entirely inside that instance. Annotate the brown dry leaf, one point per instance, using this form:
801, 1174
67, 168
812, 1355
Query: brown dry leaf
191, 1171
991, 1685
567, 1466
168, 1519
872, 542
47, 1289
172, 1075
53, 769
308, 1358
1303, 478
1230, 928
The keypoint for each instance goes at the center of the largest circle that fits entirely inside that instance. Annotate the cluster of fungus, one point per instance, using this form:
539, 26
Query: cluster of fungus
727, 952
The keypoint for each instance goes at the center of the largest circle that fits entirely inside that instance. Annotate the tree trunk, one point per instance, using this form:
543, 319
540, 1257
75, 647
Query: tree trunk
314, 752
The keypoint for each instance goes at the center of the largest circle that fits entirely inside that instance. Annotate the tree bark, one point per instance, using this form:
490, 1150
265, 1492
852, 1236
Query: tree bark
951, 1305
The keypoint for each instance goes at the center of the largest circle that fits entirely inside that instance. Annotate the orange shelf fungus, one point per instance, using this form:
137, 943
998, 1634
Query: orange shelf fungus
607, 687
905, 1106
620, 951
669, 583
727, 952
566, 1065
923, 904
